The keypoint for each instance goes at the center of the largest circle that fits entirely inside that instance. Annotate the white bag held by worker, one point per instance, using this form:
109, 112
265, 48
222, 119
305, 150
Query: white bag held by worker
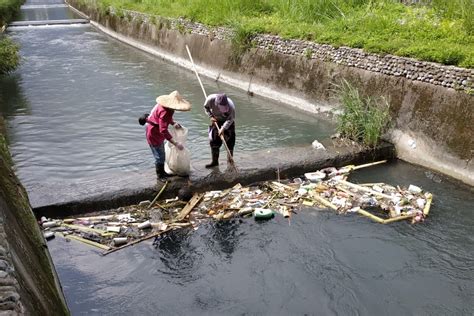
178, 161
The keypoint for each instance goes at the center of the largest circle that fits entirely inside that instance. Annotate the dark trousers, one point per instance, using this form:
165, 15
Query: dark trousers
229, 135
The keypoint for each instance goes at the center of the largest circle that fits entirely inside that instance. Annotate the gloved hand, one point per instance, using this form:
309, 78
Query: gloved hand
213, 120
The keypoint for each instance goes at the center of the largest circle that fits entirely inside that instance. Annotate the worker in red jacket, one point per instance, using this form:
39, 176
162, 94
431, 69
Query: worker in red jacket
160, 117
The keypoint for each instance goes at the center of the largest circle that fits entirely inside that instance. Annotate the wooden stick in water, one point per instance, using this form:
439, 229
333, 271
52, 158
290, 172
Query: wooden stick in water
189, 207
136, 241
158, 195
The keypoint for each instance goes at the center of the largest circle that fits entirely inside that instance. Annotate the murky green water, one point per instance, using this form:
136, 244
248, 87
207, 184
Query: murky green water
321, 264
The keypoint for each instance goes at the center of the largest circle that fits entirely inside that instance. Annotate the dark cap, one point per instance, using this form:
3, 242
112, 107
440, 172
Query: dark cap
222, 102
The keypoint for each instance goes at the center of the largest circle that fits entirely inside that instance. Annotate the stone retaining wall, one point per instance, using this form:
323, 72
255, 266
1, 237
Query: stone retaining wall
432, 73
10, 303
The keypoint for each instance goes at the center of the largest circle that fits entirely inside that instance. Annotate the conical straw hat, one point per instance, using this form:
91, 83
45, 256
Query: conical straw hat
174, 101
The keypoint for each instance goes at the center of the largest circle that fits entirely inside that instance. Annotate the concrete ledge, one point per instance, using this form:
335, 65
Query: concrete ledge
262, 166
48, 22
43, 6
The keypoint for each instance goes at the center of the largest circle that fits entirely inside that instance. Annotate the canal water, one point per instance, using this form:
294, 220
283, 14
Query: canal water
72, 111
319, 264
31, 12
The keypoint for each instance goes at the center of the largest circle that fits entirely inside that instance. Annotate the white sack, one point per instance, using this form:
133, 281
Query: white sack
178, 161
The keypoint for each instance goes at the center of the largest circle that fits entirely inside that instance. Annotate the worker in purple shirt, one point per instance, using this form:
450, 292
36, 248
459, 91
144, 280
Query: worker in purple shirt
221, 110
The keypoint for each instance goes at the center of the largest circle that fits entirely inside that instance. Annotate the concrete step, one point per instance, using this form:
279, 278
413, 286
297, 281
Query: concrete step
49, 22
43, 6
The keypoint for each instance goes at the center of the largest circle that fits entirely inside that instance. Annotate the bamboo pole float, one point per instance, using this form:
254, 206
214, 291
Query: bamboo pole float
87, 241
371, 216
229, 154
426, 209
369, 164
103, 233
158, 195
396, 219
322, 200
92, 218
361, 188
136, 241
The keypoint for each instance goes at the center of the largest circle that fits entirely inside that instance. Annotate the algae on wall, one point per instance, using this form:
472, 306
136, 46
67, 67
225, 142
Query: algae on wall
39, 288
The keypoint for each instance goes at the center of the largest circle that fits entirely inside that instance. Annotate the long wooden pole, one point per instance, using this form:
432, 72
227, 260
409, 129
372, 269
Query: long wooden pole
229, 154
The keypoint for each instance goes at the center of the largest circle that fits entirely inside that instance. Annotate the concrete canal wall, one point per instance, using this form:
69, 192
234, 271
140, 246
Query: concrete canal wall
28, 281
431, 104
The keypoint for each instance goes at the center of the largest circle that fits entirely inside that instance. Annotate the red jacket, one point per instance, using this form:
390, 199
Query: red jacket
161, 116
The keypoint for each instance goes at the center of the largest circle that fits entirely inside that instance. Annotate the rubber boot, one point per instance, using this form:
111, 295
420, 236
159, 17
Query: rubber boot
215, 158
161, 173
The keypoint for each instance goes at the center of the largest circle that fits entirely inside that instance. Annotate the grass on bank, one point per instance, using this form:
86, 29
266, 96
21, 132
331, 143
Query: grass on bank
9, 56
8, 9
363, 119
439, 30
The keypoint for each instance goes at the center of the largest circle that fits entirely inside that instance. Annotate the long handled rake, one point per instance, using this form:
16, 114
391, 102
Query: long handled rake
229, 154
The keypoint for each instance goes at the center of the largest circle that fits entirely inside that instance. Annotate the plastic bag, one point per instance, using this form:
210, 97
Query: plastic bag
178, 161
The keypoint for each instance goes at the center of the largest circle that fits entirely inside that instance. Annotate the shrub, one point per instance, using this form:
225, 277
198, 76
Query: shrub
9, 56
363, 119
8, 8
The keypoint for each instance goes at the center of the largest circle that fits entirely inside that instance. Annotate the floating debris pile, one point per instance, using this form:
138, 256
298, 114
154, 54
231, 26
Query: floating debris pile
327, 188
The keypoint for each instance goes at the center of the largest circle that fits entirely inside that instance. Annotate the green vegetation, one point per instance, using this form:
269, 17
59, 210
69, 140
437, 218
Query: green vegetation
8, 8
9, 57
242, 41
363, 119
439, 30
